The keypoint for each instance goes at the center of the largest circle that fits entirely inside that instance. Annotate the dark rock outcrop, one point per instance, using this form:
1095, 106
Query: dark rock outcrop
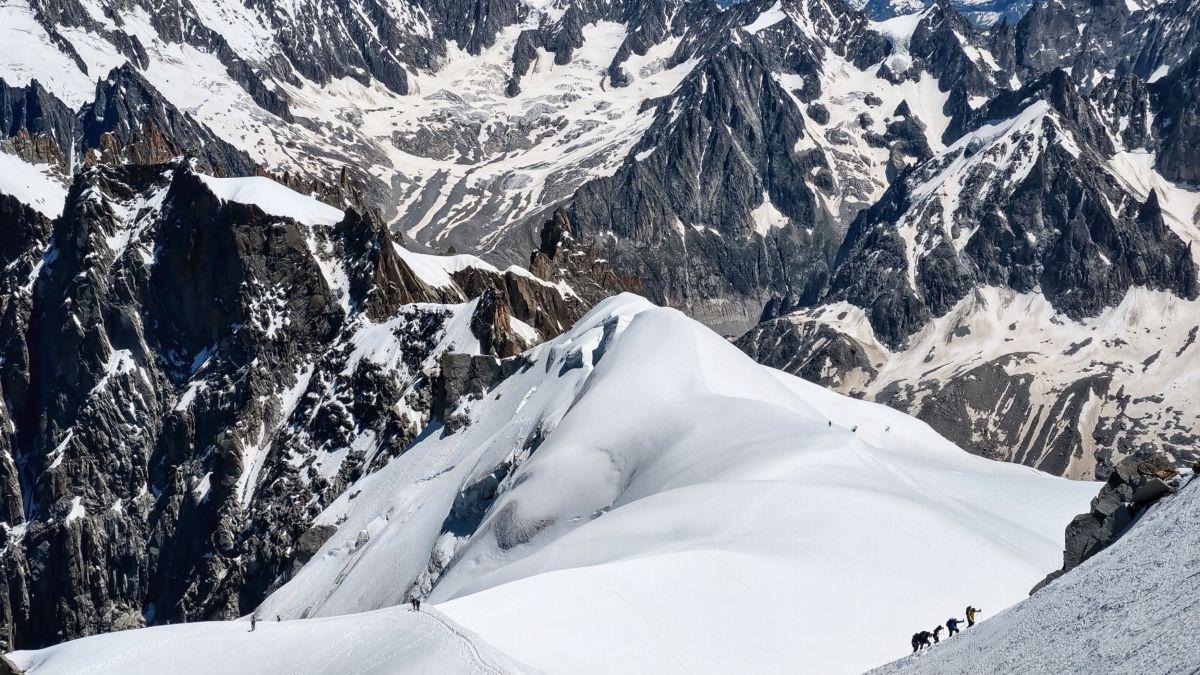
1038, 213
129, 120
1133, 487
35, 125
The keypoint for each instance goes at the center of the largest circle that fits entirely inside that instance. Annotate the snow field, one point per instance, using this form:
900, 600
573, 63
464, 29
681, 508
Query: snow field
393, 640
688, 510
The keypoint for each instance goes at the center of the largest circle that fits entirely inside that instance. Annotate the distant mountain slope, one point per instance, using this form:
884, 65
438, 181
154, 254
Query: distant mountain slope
1126, 610
1029, 288
995, 230
984, 13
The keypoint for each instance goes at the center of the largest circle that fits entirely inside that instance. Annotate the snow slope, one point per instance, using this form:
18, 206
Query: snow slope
274, 199
642, 497
32, 184
393, 640
664, 504
1129, 609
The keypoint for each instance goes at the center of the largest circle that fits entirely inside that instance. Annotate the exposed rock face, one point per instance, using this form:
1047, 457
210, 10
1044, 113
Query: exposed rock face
131, 121
189, 380
35, 125
128, 121
1178, 122
720, 149
1037, 195
1056, 230
562, 258
466, 377
1134, 486
814, 351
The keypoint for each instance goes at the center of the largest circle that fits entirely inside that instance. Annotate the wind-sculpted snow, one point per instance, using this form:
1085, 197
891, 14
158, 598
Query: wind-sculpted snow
393, 640
1128, 610
641, 497
274, 199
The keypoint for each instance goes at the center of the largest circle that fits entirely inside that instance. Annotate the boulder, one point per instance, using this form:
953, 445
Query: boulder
1133, 486
1151, 491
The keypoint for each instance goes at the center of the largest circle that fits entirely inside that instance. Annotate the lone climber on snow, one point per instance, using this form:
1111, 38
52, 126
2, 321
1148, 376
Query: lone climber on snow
416, 604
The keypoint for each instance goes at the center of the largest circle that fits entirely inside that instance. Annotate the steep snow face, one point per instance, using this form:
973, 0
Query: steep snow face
30, 54
394, 640
1129, 609
641, 496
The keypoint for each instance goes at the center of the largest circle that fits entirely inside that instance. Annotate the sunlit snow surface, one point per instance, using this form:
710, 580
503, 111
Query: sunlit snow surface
687, 511
1130, 609
274, 199
32, 184
394, 640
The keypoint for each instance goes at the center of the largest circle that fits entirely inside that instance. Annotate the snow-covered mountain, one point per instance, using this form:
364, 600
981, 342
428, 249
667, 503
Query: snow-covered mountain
738, 143
1029, 289
983, 13
641, 496
194, 367
222, 317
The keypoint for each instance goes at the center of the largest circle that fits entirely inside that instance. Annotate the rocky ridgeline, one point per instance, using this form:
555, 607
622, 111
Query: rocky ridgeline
128, 121
1027, 198
1134, 486
188, 381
